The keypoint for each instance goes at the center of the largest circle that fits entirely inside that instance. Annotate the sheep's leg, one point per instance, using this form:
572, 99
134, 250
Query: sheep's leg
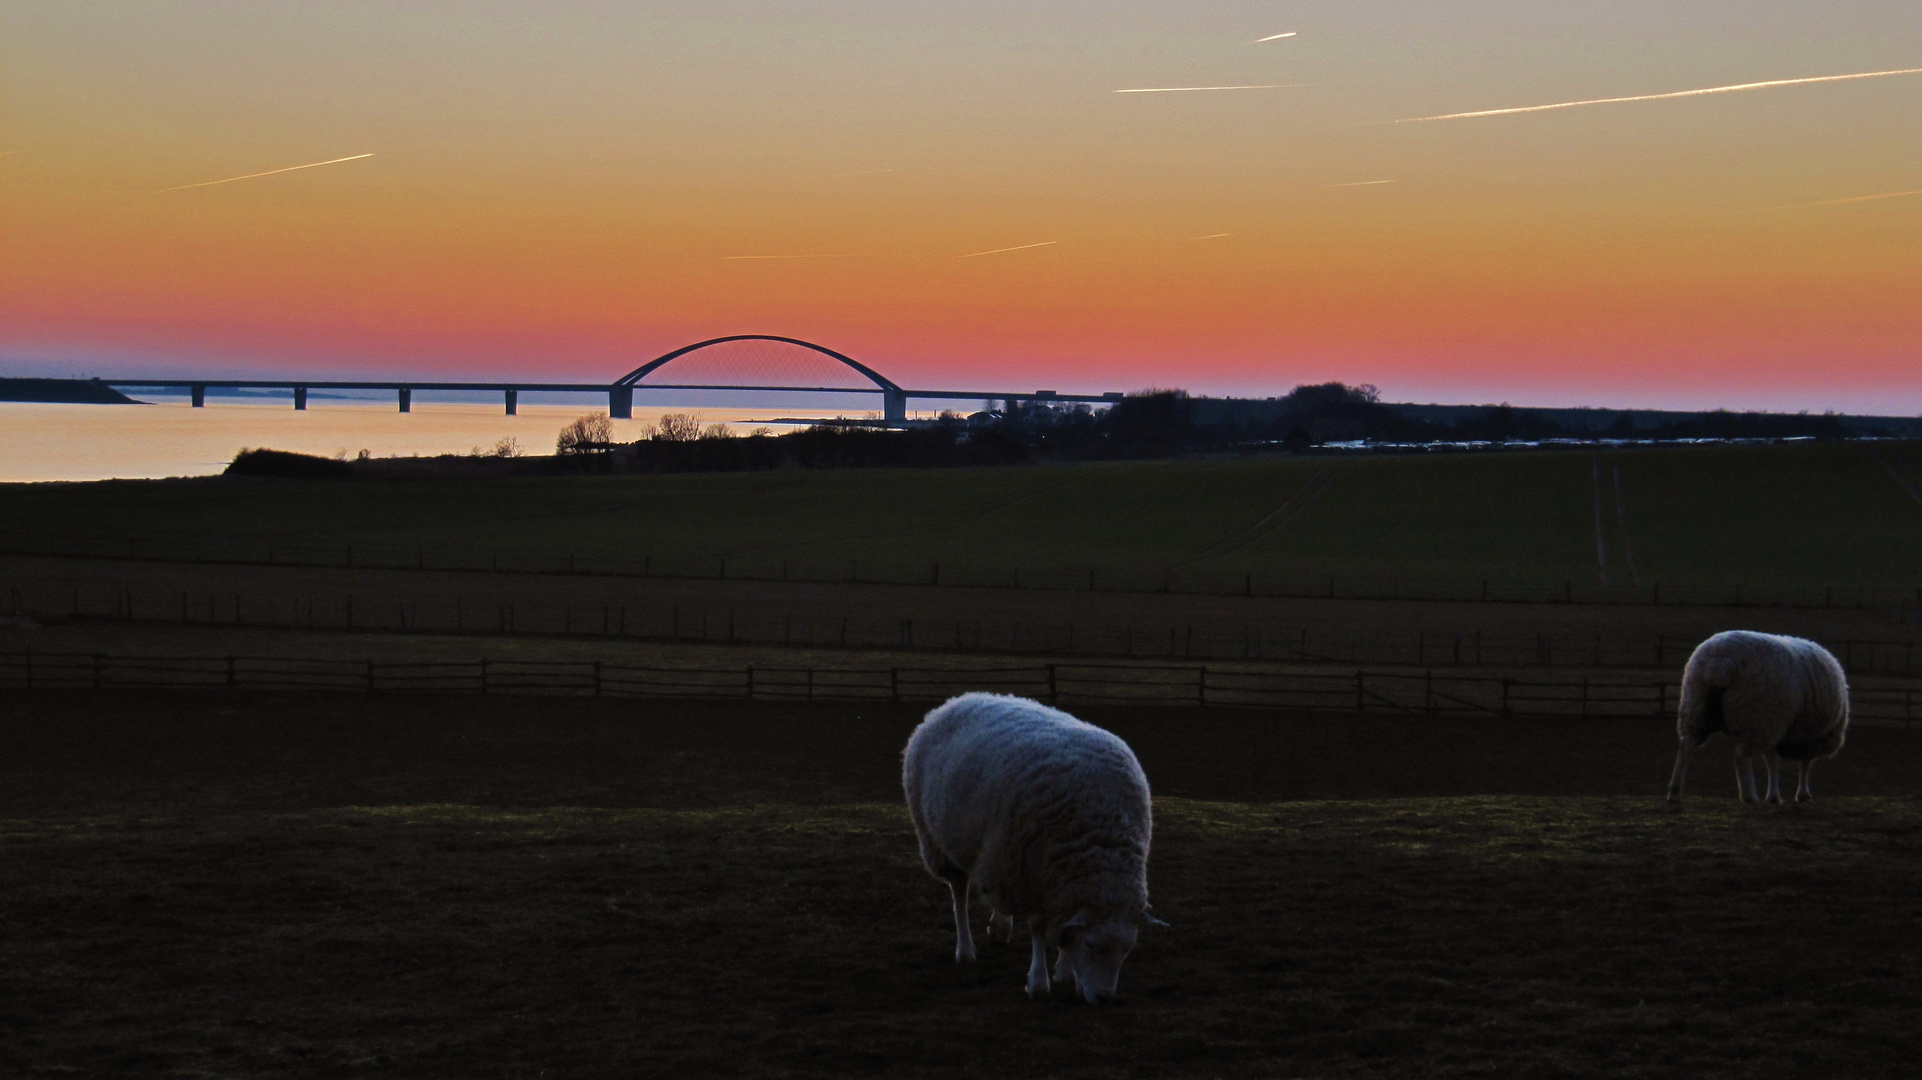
1803, 769
1000, 927
1675, 779
1773, 763
1038, 963
1745, 777
963, 934
1063, 973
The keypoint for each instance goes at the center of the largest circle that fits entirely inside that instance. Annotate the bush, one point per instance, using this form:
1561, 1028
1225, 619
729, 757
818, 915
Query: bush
677, 427
590, 434
281, 463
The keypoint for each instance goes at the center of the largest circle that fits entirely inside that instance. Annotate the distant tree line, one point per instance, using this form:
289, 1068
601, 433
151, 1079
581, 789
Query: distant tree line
1153, 423
1160, 423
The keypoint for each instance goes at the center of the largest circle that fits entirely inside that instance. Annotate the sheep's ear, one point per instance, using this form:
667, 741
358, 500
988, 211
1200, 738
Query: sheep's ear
1150, 920
1080, 919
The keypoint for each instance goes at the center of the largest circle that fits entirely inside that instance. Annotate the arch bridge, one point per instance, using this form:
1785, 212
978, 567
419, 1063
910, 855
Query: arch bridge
787, 365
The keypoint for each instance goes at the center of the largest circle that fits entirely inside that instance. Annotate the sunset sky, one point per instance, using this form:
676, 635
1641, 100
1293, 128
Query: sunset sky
566, 189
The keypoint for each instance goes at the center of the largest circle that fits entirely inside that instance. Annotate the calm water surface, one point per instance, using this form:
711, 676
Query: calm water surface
98, 442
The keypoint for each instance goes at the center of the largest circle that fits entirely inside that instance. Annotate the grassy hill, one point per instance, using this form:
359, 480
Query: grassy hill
312, 885
1773, 516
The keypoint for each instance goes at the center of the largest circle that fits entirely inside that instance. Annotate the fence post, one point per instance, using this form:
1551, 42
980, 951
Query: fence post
370, 676
233, 677
894, 684
1584, 695
98, 657
750, 682
1358, 689
1054, 695
1201, 686
597, 678
1428, 693
483, 667
1505, 709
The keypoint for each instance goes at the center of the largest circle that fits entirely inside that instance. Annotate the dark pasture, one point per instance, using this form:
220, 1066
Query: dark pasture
314, 885
1777, 518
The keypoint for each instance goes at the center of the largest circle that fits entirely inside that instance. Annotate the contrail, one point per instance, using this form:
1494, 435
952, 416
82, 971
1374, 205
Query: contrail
1274, 37
269, 172
729, 258
1858, 198
1180, 89
1019, 247
1212, 236
1659, 97
1365, 183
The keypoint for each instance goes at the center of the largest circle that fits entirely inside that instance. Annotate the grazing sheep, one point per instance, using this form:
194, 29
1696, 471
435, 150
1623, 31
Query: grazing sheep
1048, 817
1777, 697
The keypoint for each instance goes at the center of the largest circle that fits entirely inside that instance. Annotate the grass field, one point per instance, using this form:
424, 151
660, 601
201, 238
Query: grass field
310, 885
1775, 517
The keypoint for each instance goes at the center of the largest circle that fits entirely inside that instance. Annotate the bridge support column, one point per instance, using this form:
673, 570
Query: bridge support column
300, 398
894, 405
199, 396
620, 402
406, 399
513, 402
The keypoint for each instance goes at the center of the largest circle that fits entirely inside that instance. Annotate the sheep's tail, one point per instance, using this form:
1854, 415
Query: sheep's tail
1707, 677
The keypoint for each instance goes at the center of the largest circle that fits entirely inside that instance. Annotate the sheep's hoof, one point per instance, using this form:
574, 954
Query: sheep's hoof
963, 956
1038, 989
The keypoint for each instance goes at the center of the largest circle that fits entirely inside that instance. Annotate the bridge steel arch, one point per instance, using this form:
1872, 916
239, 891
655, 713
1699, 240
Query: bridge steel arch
894, 400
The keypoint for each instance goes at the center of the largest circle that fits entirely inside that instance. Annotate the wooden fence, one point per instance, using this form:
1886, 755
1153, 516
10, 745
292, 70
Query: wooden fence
1254, 640
1360, 691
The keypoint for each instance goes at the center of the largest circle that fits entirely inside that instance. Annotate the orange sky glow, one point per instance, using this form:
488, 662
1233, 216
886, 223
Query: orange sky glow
563, 191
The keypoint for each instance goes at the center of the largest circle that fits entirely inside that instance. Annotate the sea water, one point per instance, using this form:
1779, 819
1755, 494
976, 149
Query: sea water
171, 438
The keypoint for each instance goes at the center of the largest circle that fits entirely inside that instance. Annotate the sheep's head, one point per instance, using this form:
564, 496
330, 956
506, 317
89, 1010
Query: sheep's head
1093, 948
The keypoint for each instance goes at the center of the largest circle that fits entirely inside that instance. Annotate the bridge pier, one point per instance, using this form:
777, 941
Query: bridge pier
406, 399
620, 402
300, 398
513, 402
199, 395
894, 404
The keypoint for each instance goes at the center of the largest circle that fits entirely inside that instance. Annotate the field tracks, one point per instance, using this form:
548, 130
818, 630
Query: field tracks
1603, 491
1621, 523
1601, 540
1289, 509
1906, 476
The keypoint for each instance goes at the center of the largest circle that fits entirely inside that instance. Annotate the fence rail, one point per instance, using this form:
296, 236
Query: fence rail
1254, 640
1360, 691
1191, 581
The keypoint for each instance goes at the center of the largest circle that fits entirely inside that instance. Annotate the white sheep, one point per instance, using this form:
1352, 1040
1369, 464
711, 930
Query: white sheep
1777, 697
1048, 817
